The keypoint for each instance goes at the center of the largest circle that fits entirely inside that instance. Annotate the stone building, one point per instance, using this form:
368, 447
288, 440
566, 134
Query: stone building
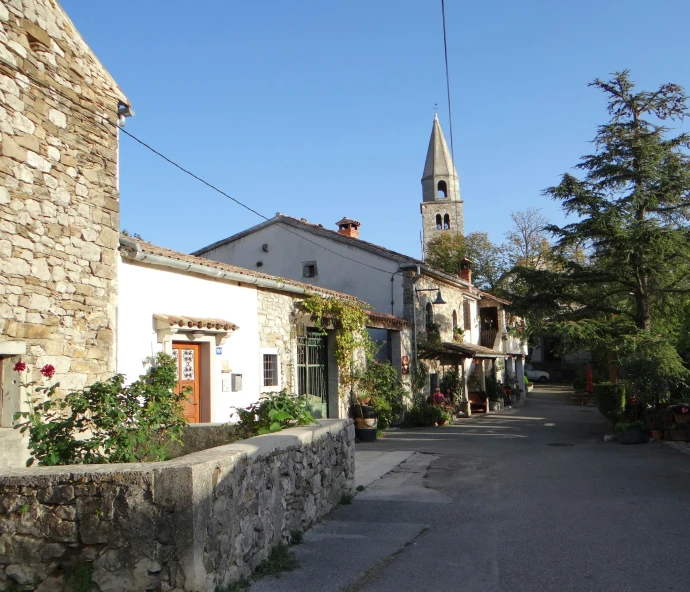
59, 209
441, 206
238, 333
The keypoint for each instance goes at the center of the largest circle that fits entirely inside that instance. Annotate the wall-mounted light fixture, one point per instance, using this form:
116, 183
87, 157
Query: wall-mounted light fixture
123, 111
439, 298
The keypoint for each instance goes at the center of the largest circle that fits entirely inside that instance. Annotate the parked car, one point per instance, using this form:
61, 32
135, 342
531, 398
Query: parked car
536, 375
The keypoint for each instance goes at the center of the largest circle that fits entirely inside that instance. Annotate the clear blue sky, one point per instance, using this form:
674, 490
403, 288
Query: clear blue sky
323, 108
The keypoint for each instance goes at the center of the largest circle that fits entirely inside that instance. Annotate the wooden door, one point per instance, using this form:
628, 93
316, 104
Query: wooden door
188, 377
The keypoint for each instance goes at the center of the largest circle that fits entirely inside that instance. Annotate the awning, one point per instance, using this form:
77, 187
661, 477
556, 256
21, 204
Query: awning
449, 350
168, 325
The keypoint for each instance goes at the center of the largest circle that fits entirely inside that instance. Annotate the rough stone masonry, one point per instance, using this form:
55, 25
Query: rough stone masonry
195, 523
59, 209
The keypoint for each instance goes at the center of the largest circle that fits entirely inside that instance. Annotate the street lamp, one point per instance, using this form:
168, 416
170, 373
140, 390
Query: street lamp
439, 298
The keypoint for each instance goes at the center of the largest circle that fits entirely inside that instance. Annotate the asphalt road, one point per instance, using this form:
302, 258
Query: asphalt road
498, 507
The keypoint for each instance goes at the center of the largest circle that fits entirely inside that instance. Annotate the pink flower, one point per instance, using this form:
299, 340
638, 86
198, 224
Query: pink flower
20, 366
48, 370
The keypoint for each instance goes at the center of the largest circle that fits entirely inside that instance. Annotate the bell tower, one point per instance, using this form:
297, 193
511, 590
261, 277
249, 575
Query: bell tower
441, 206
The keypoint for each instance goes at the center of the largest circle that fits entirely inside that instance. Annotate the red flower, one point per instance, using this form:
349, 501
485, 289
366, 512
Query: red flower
48, 370
20, 366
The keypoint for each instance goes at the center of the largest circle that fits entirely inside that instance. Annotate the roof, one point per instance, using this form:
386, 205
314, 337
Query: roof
347, 220
496, 298
387, 319
405, 261
439, 161
461, 350
196, 322
152, 249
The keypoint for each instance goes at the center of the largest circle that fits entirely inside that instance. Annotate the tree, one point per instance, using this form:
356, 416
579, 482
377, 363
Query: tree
446, 250
632, 205
527, 244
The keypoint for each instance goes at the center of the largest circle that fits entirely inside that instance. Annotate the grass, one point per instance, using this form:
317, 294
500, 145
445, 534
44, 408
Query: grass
279, 561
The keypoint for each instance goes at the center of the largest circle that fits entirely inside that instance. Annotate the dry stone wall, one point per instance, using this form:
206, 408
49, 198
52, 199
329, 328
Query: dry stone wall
191, 524
59, 209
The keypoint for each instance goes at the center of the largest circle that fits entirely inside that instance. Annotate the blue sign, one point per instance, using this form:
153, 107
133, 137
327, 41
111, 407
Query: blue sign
219, 351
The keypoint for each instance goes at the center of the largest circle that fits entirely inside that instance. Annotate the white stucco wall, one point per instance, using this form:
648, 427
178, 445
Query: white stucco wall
285, 255
145, 291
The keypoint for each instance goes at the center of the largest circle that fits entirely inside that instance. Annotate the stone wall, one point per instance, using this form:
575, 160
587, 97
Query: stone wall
277, 330
59, 209
191, 524
431, 209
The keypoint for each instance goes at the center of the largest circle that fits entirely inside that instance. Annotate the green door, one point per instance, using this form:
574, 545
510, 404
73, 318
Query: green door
312, 372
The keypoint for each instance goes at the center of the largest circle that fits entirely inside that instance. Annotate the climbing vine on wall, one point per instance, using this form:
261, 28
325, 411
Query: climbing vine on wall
349, 318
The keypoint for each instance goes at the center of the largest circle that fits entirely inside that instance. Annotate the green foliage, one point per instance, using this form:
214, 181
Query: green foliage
610, 400
446, 250
280, 560
78, 578
654, 372
360, 488
349, 318
623, 264
346, 499
106, 422
423, 415
273, 413
493, 391
380, 381
419, 377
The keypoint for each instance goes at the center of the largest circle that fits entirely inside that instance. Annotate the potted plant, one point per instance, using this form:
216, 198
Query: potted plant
630, 432
458, 334
681, 412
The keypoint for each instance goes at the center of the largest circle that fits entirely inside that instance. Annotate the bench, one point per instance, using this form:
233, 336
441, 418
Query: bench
479, 401
581, 398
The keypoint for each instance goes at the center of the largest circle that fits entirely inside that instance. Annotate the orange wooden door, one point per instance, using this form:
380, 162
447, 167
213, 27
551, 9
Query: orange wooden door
188, 377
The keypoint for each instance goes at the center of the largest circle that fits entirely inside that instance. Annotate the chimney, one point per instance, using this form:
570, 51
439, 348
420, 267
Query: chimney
348, 227
465, 271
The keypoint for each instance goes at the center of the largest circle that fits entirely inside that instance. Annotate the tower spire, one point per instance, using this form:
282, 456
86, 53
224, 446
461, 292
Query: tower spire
441, 206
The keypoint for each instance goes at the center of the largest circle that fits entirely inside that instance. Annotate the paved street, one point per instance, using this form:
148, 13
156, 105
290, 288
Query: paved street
493, 505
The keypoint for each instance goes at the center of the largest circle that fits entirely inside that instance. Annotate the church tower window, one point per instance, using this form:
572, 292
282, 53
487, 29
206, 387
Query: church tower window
446, 222
439, 222
442, 190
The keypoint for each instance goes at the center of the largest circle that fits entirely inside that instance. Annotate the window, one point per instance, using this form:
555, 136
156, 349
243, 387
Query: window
270, 369
439, 222
455, 320
429, 314
446, 222
309, 269
467, 314
442, 190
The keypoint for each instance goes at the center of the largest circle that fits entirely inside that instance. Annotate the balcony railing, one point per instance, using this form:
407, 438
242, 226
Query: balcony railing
487, 337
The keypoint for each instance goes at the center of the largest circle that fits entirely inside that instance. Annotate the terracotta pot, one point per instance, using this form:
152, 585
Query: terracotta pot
675, 435
658, 434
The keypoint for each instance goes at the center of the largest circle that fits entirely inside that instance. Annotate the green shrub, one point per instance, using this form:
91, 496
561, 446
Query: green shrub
610, 399
273, 413
428, 415
381, 382
125, 423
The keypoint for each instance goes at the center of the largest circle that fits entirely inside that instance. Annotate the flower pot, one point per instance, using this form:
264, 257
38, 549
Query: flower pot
366, 435
658, 434
362, 411
363, 423
681, 417
632, 435
675, 435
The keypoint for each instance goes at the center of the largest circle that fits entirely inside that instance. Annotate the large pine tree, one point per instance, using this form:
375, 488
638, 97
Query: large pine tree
631, 205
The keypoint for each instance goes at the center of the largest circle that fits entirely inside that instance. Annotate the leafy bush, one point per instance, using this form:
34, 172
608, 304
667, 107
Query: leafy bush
124, 423
610, 399
493, 391
428, 415
273, 413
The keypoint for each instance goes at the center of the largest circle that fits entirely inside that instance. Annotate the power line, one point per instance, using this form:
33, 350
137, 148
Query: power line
445, 51
105, 119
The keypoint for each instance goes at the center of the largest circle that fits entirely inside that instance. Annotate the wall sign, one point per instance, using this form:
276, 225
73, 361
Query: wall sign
405, 365
219, 350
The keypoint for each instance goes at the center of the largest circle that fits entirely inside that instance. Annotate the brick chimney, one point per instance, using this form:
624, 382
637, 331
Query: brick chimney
348, 227
465, 270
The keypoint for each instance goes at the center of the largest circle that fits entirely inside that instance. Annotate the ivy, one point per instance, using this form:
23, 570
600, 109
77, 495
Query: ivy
349, 318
